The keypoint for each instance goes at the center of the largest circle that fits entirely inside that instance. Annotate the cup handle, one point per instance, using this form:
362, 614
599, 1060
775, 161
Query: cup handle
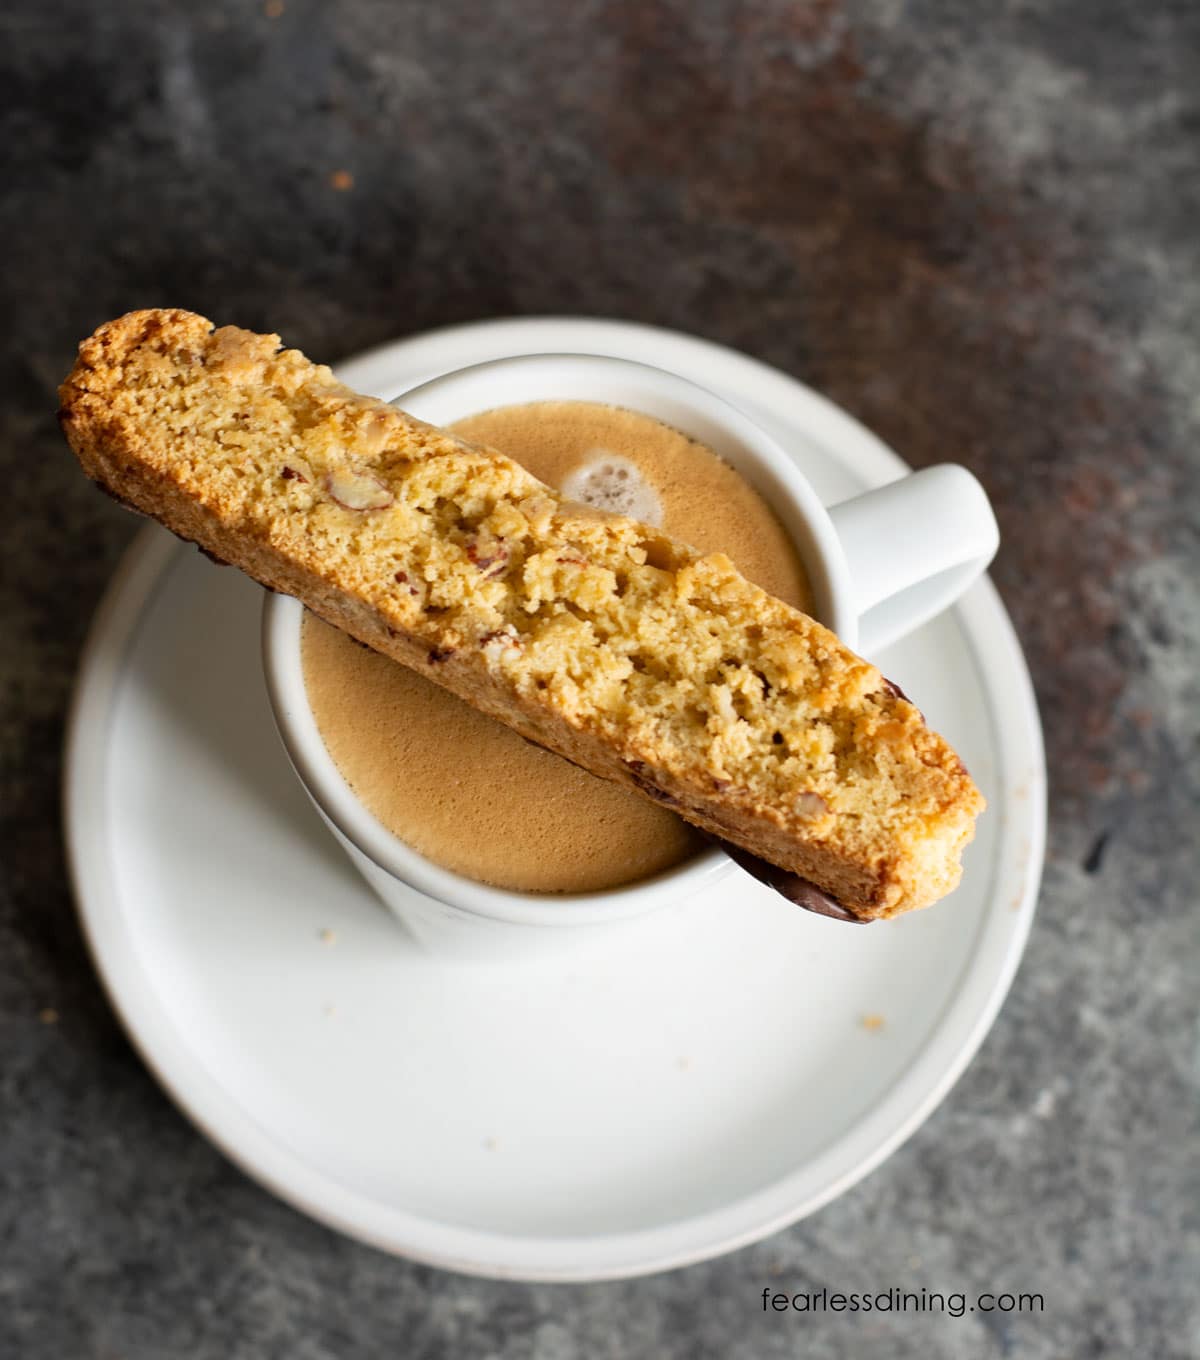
913, 547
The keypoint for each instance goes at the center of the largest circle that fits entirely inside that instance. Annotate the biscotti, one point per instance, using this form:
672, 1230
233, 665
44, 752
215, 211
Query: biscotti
627, 652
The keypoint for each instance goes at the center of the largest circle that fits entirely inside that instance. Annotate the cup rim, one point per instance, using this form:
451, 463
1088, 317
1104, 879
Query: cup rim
328, 789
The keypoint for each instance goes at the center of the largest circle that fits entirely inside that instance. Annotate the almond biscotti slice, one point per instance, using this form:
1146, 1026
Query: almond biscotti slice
633, 655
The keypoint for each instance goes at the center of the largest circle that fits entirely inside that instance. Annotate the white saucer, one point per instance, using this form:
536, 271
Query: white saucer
673, 1099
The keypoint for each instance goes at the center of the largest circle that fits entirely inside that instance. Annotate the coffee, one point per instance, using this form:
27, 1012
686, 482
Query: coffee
470, 793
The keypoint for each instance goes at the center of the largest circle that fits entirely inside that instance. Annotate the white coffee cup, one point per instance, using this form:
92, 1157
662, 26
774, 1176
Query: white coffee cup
879, 565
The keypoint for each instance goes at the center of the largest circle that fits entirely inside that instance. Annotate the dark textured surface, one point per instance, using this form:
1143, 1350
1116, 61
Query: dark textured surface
973, 226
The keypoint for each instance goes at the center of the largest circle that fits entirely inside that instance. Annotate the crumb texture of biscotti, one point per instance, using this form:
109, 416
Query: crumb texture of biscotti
630, 653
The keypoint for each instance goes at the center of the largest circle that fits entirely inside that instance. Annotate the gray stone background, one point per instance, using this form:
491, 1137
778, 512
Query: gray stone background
973, 225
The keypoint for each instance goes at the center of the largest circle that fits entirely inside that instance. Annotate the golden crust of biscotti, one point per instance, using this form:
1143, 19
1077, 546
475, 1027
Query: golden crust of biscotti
629, 653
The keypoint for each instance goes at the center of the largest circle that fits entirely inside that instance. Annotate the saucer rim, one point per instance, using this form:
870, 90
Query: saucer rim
1002, 936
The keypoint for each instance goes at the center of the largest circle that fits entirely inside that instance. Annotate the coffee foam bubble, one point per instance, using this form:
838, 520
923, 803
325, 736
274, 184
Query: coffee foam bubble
609, 482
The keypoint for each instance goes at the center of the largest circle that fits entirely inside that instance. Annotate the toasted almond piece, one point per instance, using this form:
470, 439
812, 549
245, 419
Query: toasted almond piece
357, 490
